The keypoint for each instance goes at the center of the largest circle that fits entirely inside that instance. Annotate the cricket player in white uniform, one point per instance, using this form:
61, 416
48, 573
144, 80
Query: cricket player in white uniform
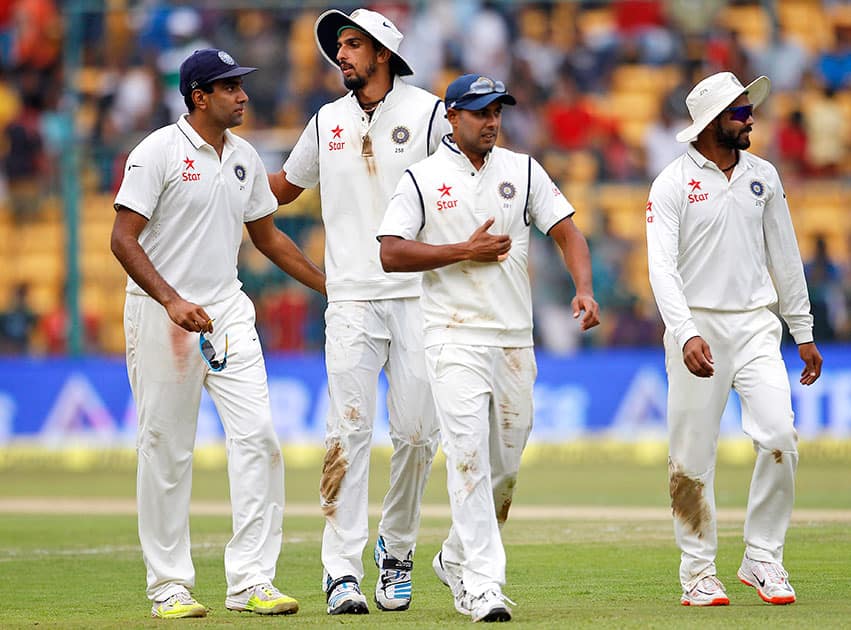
188, 190
722, 253
357, 147
463, 216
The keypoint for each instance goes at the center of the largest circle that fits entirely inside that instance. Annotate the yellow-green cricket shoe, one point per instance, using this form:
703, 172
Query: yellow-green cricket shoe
262, 599
178, 606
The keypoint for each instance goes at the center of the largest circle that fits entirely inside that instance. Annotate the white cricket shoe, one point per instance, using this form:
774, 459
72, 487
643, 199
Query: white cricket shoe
178, 606
489, 606
707, 592
262, 599
393, 588
345, 597
447, 572
770, 580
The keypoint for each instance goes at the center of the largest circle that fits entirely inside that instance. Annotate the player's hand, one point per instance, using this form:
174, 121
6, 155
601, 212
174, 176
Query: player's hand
698, 357
189, 316
483, 246
586, 306
812, 363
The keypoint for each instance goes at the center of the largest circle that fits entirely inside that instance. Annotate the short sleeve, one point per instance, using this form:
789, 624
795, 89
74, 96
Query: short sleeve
302, 165
262, 201
404, 216
546, 205
143, 177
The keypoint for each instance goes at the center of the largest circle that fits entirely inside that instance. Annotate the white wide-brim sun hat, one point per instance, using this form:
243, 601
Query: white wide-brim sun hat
713, 95
328, 26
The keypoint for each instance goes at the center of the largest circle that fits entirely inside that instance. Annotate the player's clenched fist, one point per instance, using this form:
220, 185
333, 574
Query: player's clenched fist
189, 316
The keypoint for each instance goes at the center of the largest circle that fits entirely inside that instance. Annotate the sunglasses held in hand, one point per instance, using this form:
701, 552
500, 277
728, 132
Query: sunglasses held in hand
209, 354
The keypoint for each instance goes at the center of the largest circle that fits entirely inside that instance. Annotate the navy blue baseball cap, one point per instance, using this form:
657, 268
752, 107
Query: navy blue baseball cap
475, 92
207, 65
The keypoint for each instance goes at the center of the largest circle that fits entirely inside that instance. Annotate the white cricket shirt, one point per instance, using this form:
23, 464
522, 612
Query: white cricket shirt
196, 205
723, 245
442, 200
358, 176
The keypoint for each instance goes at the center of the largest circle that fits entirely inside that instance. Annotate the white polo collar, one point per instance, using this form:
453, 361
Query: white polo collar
194, 137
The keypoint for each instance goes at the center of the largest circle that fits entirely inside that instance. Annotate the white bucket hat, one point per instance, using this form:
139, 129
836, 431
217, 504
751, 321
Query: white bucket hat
714, 94
329, 24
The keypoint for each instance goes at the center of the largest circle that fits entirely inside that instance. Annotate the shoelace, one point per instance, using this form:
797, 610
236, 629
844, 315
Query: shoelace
714, 583
498, 595
179, 598
774, 572
270, 591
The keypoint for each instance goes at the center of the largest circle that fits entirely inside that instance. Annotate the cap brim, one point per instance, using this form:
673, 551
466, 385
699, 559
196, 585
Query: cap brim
329, 24
757, 91
233, 72
476, 103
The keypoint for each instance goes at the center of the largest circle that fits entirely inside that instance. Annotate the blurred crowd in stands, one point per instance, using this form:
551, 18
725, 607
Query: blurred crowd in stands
601, 89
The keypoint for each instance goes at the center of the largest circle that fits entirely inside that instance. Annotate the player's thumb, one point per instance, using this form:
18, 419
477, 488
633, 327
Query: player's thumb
486, 225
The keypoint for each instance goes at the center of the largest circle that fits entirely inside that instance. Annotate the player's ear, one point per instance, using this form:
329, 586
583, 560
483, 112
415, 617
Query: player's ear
199, 97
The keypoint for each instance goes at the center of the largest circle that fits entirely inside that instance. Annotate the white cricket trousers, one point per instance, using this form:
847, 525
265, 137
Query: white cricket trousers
483, 396
745, 347
166, 373
361, 339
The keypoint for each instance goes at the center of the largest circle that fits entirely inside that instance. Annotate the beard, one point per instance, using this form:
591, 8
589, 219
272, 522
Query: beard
357, 81
732, 140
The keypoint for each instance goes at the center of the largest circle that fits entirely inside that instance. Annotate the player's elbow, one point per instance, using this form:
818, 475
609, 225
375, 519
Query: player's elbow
284, 191
388, 254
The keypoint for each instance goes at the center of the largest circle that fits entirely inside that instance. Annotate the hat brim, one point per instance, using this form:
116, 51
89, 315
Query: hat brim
233, 72
329, 24
757, 90
477, 102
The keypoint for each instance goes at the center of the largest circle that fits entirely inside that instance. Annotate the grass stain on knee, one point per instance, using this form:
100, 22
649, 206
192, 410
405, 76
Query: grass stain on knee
778, 455
334, 468
688, 503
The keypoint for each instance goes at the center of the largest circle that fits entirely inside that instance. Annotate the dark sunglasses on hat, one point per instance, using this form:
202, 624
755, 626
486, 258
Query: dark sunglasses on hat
740, 113
209, 354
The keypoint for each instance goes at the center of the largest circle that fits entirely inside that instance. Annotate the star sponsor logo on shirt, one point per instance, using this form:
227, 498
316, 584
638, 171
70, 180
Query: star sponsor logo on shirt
648, 211
339, 144
336, 143
190, 166
695, 197
445, 191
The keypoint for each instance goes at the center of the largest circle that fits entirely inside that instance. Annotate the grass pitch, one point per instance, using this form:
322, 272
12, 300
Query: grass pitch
85, 571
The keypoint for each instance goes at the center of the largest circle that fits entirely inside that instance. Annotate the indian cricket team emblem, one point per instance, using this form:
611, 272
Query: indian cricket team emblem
507, 190
400, 134
757, 188
239, 171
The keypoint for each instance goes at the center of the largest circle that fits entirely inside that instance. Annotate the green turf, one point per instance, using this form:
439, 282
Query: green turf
87, 572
